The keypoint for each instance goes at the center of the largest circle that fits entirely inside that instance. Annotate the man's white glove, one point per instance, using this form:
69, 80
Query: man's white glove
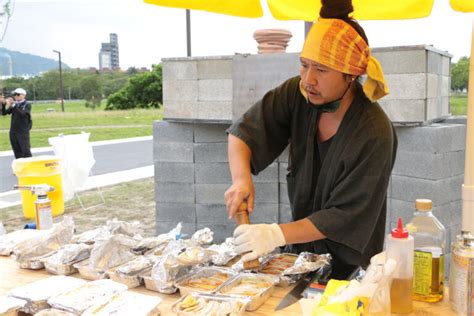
257, 240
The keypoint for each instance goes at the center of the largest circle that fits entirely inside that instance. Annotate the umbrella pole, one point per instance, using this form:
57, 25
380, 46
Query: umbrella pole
188, 32
468, 186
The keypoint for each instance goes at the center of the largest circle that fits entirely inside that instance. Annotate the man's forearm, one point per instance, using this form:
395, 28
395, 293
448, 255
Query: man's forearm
239, 158
301, 231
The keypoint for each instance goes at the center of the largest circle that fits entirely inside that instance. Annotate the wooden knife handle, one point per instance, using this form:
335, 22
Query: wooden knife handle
242, 217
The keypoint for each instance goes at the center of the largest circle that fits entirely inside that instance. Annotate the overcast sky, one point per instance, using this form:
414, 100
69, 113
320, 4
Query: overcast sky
147, 33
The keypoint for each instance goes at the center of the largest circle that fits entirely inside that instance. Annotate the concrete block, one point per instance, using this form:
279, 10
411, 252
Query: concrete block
455, 213
176, 212
215, 69
168, 192
254, 75
389, 189
458, 119
265, 213
167, 132
399, 208
446, 66
439, 191
434, 138
445, 86
398, 61
283, 194
428, 165
285, 213
180, 90
269, 175
173, 152
180, 109
174, 172
210, 152
215, 90
433, 108
215, 110
266, 192
404, 110
433, 85
210, 193
180, 70
434, 63
282, 172
212, 214
210, 133
164, 227
406, 86
221, 231
213, 173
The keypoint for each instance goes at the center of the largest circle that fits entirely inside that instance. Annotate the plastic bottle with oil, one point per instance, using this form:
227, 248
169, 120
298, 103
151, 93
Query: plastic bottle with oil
399, 246
430, 244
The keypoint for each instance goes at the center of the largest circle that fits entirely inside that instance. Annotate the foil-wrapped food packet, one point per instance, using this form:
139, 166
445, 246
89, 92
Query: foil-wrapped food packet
9, 241
91, 236
63, 260
90, 294
116, 227
223, 253
203, 236
10, 305
308, 262
127, 303
29, 252
37, 293
112, 252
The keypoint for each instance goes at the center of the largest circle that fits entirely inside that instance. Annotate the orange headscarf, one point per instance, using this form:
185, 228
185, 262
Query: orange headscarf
337, 45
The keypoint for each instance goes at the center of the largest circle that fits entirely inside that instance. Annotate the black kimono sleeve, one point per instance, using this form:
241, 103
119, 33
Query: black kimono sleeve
357, 199
265, 127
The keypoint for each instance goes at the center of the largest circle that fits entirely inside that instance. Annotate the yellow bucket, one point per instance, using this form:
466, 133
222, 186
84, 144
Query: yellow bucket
38, 170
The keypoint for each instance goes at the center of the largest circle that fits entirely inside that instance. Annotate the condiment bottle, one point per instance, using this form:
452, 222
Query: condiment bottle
399, 246
430, 242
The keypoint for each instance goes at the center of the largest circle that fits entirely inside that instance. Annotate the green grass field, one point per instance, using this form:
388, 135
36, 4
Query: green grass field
103, 125
458, 105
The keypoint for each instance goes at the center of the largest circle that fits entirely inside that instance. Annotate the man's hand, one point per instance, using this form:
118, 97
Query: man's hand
240, 191
256, 240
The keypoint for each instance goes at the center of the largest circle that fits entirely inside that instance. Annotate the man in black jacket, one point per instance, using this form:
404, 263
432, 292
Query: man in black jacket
21, 123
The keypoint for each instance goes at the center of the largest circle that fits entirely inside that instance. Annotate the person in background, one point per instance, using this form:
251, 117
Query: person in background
342, 148
21, 123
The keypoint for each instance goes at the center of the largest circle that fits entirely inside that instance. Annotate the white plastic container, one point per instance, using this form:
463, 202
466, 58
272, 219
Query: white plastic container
399, 247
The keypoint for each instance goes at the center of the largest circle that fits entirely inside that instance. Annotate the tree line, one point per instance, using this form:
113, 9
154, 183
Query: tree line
460, 75
119, 89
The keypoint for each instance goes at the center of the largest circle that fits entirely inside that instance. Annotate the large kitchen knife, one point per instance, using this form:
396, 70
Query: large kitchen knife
321, 276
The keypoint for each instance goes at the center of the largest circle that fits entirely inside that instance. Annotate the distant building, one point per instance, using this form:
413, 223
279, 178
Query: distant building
109, 54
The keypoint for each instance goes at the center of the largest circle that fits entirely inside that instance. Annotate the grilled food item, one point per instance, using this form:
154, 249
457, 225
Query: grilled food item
202, 305
210, 283
249, 286
278, 264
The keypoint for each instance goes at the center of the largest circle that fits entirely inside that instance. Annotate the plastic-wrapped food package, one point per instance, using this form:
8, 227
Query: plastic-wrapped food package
9, 241
10, 305
29, 252
90, 294
37, 293
127, 303
62, 261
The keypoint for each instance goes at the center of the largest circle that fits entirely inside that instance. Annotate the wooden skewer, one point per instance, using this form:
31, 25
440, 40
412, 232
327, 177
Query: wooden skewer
242, 217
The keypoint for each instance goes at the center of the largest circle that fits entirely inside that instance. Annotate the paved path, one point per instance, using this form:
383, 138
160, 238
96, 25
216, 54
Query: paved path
116, 161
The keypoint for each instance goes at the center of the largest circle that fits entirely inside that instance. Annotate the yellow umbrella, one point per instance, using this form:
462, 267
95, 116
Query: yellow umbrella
363, 10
